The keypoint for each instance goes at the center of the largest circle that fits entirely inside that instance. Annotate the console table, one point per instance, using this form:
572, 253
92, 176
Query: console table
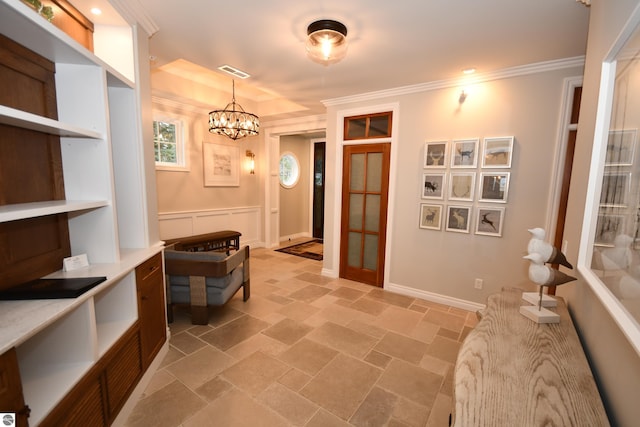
219, 240
514, 372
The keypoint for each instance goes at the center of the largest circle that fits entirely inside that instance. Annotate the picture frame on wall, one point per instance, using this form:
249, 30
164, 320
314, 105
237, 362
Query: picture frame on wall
433, 186
464, 153
497, 152
221, 165
462, 186
620, 147
615, 189
494, 187
458, 219
435, 154
489, 221
608, 226
430, 216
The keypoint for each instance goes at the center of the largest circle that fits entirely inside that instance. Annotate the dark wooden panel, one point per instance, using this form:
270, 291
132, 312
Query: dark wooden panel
84, 406
30, 169
151, 308
11, 387
123, 372
26, 80
71, 21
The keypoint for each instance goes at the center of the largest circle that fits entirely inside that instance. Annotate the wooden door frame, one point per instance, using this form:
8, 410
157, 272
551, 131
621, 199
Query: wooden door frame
564, 126
333, 265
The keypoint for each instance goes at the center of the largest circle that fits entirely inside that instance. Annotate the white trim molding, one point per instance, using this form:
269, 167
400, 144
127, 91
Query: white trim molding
246, 220
433, 297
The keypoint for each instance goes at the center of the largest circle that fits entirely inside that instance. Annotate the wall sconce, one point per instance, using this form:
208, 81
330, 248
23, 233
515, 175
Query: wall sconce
463, 96
252, 162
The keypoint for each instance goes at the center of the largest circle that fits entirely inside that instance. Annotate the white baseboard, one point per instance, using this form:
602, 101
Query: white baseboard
433, 297
294, 236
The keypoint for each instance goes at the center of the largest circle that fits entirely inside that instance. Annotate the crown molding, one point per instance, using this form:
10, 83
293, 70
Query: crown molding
522, 70
133, 12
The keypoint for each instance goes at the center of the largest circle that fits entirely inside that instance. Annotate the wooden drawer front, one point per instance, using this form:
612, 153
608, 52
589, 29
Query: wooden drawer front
122, 373
147, 268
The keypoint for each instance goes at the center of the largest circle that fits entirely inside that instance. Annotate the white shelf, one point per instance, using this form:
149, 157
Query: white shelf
51, 207
44, 385
12, 117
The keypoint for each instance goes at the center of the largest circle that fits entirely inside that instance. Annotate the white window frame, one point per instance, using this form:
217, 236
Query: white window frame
182, 156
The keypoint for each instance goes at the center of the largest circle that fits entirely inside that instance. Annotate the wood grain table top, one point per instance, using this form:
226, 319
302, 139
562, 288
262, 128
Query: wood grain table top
512, 371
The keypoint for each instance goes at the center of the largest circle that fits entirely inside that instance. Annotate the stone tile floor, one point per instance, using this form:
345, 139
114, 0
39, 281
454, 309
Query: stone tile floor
307, 350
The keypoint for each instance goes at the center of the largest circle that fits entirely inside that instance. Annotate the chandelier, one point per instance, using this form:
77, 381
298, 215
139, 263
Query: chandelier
233, 122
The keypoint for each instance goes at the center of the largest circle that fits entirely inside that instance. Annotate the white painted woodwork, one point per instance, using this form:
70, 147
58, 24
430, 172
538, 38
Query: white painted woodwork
57, 341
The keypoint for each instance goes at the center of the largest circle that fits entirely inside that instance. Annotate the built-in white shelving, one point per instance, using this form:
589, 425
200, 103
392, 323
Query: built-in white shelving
12, 117
59, 341
35, 209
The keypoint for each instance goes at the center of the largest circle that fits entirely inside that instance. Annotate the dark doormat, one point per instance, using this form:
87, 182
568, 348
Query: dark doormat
311, 249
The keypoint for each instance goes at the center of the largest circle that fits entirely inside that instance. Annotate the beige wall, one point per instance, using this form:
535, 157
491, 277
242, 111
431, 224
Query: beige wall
446, 263
294, 202
185, 191
615, 364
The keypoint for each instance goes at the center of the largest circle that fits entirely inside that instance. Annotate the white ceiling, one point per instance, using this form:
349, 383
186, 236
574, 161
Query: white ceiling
391, 43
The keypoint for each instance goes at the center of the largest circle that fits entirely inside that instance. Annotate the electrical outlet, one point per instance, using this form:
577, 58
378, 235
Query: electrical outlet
478, 283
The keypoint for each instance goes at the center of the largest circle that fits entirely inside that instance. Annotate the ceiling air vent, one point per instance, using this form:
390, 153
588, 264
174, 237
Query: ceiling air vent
233, 71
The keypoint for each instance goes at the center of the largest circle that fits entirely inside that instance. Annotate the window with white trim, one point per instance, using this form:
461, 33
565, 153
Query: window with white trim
169, 143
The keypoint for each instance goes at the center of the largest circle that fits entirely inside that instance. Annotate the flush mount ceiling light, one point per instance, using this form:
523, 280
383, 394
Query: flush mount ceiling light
233, 121
326, 41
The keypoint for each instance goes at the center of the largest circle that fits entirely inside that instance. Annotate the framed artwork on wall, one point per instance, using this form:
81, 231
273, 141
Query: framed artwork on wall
430, 216
462, 186
615, 189
458, 218
494, 187
433, 186
221, 165
435, 154
620, 147
464, 153
489, 221
497, 152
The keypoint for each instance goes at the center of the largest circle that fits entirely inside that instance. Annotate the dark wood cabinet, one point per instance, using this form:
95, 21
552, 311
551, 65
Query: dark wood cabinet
11, 388
151, 308
98, 397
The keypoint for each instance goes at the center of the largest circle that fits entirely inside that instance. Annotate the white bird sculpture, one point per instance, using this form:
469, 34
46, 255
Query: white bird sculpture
544, 275
549, 253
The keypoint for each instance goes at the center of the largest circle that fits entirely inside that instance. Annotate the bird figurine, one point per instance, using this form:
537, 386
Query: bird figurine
543, 275
549, 253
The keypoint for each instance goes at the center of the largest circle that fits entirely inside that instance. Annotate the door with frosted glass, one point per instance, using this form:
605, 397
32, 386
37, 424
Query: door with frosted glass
365, 187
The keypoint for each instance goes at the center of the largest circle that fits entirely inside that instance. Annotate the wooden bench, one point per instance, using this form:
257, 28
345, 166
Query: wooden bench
218, 241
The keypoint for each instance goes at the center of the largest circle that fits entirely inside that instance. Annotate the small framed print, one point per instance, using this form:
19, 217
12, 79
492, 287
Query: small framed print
458, 218
494, 187
497, 152
430, 216
462, 186
435, 154
608, 227
620, 147
464, 153
489, 221
433, 186
615, 189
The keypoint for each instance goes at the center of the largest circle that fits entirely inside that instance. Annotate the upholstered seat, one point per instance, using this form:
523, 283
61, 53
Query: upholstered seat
203, 279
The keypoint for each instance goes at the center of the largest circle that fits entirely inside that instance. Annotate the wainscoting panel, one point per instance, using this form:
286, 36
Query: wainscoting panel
246, 220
